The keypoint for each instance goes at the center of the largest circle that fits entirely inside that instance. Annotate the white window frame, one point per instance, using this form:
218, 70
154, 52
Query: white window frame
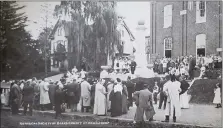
167, 40
199, 18
203, 45
167, 16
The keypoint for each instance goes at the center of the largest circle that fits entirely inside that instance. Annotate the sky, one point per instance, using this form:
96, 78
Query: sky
131, 11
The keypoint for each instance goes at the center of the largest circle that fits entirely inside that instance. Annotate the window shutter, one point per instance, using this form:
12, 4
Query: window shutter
168, 16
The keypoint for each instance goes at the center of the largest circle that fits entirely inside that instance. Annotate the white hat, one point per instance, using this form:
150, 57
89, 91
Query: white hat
3, 81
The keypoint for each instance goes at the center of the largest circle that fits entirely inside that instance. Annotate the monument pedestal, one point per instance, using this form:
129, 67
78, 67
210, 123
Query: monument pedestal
142, 69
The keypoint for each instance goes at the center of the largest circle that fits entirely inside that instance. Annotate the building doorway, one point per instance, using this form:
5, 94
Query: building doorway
168, 53
201, 51
200, 45
168, 47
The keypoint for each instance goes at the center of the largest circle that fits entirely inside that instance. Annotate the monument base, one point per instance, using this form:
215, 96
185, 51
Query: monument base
144, 72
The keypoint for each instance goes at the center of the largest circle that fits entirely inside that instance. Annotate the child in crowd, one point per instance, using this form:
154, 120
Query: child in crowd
217, 97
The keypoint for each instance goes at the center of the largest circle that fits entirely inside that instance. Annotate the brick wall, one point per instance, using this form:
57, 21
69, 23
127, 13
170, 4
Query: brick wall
184, 28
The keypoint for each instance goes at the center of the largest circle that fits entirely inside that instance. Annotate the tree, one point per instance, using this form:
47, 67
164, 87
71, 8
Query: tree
98, 39
19, 52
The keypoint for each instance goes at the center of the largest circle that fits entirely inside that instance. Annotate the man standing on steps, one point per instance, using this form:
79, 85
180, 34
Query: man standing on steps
133, 66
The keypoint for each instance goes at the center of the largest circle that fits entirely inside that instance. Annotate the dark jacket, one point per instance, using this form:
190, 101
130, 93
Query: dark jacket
73, 92
28, 93
184, 86
52, 89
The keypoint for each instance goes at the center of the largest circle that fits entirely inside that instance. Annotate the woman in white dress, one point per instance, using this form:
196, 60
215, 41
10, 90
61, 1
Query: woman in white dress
217, 97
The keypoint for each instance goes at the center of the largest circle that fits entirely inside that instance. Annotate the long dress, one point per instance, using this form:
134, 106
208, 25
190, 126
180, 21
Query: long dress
109, 88
217, 97
116, 103
124, 100
44, 94
184, 100
100, 100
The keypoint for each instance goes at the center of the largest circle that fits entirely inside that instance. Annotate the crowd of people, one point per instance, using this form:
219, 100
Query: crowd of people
185, 65
124, 65
105, 95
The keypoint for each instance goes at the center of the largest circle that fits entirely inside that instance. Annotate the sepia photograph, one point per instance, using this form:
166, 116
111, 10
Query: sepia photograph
111, 64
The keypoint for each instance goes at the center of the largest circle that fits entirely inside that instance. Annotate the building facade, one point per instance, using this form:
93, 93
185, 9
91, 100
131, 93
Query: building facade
182, 28
127, 38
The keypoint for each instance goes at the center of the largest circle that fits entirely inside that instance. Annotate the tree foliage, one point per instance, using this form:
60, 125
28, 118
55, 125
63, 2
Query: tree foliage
19, 53
94, 42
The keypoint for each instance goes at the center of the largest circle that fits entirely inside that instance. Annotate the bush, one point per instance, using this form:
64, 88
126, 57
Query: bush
202, 91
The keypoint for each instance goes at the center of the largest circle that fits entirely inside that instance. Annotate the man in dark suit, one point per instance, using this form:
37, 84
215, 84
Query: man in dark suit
28, 95
52, 89
163, 97
133, 66
192, 64
130, 87
73, 92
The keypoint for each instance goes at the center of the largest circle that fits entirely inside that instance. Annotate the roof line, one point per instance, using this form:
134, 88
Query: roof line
128, 30
54, 29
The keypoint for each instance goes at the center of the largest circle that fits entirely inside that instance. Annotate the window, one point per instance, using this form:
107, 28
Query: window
190, 5
59, 31
202, 8
201, 45
201, 11
167, 16
200, 41
168, 43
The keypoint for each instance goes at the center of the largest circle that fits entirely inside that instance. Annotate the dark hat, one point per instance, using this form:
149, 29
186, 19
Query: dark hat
118, 80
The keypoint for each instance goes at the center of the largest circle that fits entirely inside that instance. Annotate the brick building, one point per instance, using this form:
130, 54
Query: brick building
185, 28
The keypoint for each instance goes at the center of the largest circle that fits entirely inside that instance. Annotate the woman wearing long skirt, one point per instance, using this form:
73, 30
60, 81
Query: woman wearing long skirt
116, 99
217, 97
124, 100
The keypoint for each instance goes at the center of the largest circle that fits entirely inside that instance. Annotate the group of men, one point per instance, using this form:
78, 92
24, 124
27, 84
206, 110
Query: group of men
124, 65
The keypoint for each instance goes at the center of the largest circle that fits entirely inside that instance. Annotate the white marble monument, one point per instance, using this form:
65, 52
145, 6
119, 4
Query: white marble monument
140, 54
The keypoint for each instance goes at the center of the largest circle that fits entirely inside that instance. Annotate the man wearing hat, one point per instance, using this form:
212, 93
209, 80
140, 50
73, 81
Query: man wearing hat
144, 104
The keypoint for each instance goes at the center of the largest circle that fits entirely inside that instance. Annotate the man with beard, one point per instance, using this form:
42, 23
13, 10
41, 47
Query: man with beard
28, 95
